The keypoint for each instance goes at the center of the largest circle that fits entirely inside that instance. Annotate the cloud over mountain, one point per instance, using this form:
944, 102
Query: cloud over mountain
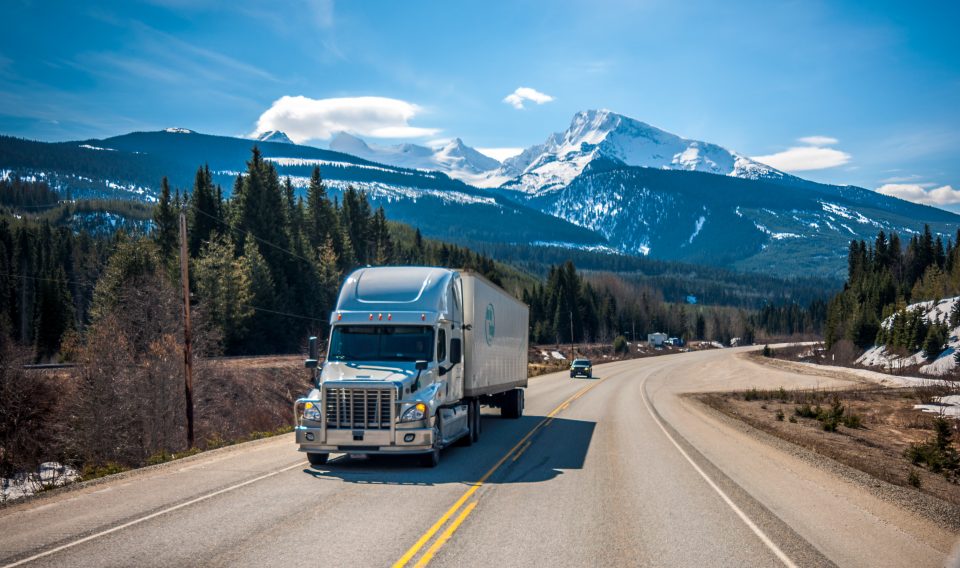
812, 155
303, 118
922, 193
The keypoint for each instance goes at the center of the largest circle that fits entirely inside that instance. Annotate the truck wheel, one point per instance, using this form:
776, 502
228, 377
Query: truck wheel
468, 438
476, 429
433, 458
317, 459
512, 404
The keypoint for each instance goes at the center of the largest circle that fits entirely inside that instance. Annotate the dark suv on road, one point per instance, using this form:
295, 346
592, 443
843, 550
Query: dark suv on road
581, 367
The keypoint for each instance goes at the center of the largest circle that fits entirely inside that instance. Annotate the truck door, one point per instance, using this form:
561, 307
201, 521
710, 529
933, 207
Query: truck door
455, 331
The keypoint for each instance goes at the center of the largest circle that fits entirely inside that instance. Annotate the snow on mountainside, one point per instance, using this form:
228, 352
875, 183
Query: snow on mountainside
274, 136
602, 134
455, 158
879, 356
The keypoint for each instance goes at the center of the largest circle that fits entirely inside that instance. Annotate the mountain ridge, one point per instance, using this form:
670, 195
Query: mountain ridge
608, 182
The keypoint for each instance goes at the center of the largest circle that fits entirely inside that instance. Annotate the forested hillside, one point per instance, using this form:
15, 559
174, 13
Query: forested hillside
884, 277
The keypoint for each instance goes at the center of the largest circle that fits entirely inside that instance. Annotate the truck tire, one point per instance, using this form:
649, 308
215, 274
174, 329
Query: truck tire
467, 439
432, 459
317, 459
477, 425
512, 404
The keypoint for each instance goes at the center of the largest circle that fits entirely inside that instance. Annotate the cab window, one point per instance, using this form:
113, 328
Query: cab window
442, 345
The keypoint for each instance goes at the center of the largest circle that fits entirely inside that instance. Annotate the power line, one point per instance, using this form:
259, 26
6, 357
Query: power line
37, 278
280, 313
91, 286
255, 237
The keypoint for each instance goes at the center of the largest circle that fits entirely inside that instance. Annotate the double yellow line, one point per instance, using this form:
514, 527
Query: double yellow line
448, 532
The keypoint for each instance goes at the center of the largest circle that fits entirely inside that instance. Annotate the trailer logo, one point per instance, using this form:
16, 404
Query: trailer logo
489, 324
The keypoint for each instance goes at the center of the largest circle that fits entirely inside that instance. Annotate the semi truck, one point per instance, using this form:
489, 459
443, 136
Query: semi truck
412, 354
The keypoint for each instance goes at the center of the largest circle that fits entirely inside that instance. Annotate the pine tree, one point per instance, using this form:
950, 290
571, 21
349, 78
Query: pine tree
382, 242
224, 285
321, 222
166, 225
204, 211
263, 300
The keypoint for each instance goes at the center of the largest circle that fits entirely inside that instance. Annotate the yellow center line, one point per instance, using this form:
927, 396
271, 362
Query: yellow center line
409, 554
428, 555
517, 455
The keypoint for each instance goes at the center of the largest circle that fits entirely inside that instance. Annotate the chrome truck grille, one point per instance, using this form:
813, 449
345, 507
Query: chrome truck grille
359, 408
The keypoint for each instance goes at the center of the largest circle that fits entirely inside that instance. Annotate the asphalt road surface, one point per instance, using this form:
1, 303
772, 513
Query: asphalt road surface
614, 471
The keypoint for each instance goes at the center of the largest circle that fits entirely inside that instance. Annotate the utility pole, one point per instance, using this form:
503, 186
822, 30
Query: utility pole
573, 352
187, 341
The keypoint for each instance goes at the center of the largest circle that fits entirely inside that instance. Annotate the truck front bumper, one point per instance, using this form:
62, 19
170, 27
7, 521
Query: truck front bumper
398, 441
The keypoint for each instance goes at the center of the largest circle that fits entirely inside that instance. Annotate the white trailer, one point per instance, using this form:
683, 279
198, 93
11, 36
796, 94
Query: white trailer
413, 353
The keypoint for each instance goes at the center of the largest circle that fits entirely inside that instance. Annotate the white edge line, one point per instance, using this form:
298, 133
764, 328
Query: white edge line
743, 516
148, 517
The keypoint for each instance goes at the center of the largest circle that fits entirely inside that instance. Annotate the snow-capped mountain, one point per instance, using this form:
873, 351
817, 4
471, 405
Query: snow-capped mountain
454, 158
274, 136
130, 166
603, 134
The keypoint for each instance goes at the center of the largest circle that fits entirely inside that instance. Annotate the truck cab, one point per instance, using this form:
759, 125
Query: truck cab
392, 380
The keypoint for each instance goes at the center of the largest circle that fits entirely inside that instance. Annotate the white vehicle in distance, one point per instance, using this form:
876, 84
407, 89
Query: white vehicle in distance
413, 354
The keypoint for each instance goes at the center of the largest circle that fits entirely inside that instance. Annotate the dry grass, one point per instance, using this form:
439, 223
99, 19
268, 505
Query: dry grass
890, 427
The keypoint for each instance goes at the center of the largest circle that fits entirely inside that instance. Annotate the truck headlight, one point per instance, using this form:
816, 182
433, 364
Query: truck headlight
416, 412
311, 412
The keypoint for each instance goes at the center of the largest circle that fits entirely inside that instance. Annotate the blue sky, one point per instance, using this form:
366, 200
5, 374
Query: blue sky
841, 92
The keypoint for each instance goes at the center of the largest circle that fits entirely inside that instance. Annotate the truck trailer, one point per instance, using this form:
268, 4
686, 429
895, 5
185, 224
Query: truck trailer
413, 353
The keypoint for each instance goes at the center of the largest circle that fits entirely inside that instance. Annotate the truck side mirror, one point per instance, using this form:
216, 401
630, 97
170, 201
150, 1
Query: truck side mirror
455, 351
421, 365
314, 356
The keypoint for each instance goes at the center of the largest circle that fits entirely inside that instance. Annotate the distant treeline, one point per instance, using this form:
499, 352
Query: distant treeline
16, 192
674, 280
571, 306
883, 278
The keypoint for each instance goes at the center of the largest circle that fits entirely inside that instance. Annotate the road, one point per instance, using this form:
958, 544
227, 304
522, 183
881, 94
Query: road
615, 471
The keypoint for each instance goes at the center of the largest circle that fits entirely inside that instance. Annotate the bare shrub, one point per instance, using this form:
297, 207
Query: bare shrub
130, 402
29, 429
233, 403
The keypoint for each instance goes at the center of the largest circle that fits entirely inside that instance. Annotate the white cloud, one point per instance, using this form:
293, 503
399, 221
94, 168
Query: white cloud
303, 118
804, 158
921, 193
517, 97
811, 156
500, 154
818, 140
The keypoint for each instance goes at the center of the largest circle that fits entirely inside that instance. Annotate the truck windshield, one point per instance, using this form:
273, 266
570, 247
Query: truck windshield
381, 343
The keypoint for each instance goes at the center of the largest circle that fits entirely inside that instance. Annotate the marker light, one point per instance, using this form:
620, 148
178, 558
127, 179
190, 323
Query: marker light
423, 317
339, 317
389, 317
380, 317
371, 317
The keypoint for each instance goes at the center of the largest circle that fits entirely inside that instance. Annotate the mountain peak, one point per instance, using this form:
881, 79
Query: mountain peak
274, 136
604, 134
454, 158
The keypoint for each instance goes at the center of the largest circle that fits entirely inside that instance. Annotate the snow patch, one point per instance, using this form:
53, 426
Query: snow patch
879, 356
49, 475
696, 230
